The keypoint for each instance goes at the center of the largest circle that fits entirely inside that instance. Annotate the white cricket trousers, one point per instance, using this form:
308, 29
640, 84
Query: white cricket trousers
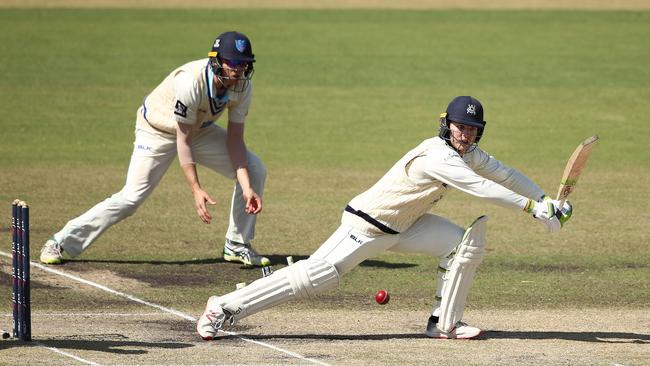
345, 249
430, 234
152, 155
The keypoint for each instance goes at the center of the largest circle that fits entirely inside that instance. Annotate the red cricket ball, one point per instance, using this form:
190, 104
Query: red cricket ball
382, 297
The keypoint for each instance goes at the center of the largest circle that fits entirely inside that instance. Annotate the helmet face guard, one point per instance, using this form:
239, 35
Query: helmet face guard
463, 110
217, 65
445, 131
232, 50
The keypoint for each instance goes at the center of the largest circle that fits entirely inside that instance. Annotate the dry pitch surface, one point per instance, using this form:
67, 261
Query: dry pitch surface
124, 331
332, 337
111, 326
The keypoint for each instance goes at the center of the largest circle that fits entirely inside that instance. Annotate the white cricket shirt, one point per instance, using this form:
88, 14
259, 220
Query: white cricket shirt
187, 95
420, 179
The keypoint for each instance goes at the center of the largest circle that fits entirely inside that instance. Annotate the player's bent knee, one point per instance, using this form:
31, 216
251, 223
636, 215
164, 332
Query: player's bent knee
126, 205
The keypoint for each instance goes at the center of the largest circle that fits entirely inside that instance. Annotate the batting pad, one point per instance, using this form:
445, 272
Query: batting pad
303, 279
469, 256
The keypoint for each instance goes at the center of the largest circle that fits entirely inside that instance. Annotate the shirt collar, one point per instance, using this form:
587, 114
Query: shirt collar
211, 88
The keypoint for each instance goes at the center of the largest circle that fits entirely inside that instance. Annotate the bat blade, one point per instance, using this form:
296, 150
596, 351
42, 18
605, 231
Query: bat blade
574, 167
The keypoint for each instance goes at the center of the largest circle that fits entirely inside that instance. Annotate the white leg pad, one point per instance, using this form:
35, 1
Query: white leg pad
441, 274
303, 279
459, 279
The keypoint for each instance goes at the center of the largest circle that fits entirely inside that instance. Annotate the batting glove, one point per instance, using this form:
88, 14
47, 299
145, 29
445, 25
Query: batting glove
546, 212
563, 213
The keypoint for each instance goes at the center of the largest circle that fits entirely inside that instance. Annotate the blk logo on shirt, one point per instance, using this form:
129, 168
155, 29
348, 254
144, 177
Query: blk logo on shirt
180, 109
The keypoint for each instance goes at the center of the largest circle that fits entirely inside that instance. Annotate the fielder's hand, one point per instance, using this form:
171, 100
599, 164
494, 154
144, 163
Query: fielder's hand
201, 197
253, 202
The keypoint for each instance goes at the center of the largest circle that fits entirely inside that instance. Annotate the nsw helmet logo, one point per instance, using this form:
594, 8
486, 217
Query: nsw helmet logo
240, 44
471, 109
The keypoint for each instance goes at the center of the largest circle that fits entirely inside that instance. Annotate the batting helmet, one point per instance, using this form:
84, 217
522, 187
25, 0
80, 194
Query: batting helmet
236, 48
465, 110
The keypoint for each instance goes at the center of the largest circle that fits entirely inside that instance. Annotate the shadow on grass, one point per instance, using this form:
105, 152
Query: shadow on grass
276, 259
156, 262
282, 259
599, 337
382, 264
330, 337
123, 347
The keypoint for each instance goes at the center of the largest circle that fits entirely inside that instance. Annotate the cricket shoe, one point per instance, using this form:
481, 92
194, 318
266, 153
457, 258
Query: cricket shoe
243, 253
213, 318
460, 331
52, 252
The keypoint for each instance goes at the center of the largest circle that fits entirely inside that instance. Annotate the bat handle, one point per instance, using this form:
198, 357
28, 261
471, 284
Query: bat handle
562, 202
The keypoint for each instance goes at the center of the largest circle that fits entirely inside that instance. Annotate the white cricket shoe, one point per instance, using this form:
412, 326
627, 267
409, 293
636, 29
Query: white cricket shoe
243, 253
52, 252
213, 318
460, 331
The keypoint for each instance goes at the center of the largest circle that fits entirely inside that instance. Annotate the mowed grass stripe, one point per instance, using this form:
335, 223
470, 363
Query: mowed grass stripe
339, 97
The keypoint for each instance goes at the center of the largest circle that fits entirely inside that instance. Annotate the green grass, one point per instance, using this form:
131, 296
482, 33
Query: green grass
340, 96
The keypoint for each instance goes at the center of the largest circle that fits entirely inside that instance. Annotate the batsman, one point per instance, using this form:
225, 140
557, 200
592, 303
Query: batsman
394, 214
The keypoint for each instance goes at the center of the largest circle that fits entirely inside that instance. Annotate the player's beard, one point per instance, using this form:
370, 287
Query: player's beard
462, 147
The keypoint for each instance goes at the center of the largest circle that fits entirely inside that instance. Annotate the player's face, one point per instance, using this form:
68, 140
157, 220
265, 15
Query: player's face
233, 71
462, 136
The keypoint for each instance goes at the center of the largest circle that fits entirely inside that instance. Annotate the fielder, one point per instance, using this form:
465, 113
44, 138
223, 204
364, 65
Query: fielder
393, 215
178, 118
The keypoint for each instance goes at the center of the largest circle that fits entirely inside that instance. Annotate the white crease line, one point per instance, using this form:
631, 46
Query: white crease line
90, 315
164, 309
66, 353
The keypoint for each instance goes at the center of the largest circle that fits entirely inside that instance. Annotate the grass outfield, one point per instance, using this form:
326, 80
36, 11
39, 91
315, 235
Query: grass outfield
340, 96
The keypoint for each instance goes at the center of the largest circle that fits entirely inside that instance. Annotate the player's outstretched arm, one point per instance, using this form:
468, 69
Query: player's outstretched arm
201, 197
237, 151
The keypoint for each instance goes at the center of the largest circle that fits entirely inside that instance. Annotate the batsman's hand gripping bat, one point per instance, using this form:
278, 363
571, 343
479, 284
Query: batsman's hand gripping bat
574, 167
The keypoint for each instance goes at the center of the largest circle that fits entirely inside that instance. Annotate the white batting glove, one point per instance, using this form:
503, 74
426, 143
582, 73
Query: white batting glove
546, 212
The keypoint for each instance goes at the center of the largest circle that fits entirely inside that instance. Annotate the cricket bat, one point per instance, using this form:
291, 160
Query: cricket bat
574, 166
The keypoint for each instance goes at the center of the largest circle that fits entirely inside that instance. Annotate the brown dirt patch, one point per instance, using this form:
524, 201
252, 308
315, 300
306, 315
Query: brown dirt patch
338, 4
